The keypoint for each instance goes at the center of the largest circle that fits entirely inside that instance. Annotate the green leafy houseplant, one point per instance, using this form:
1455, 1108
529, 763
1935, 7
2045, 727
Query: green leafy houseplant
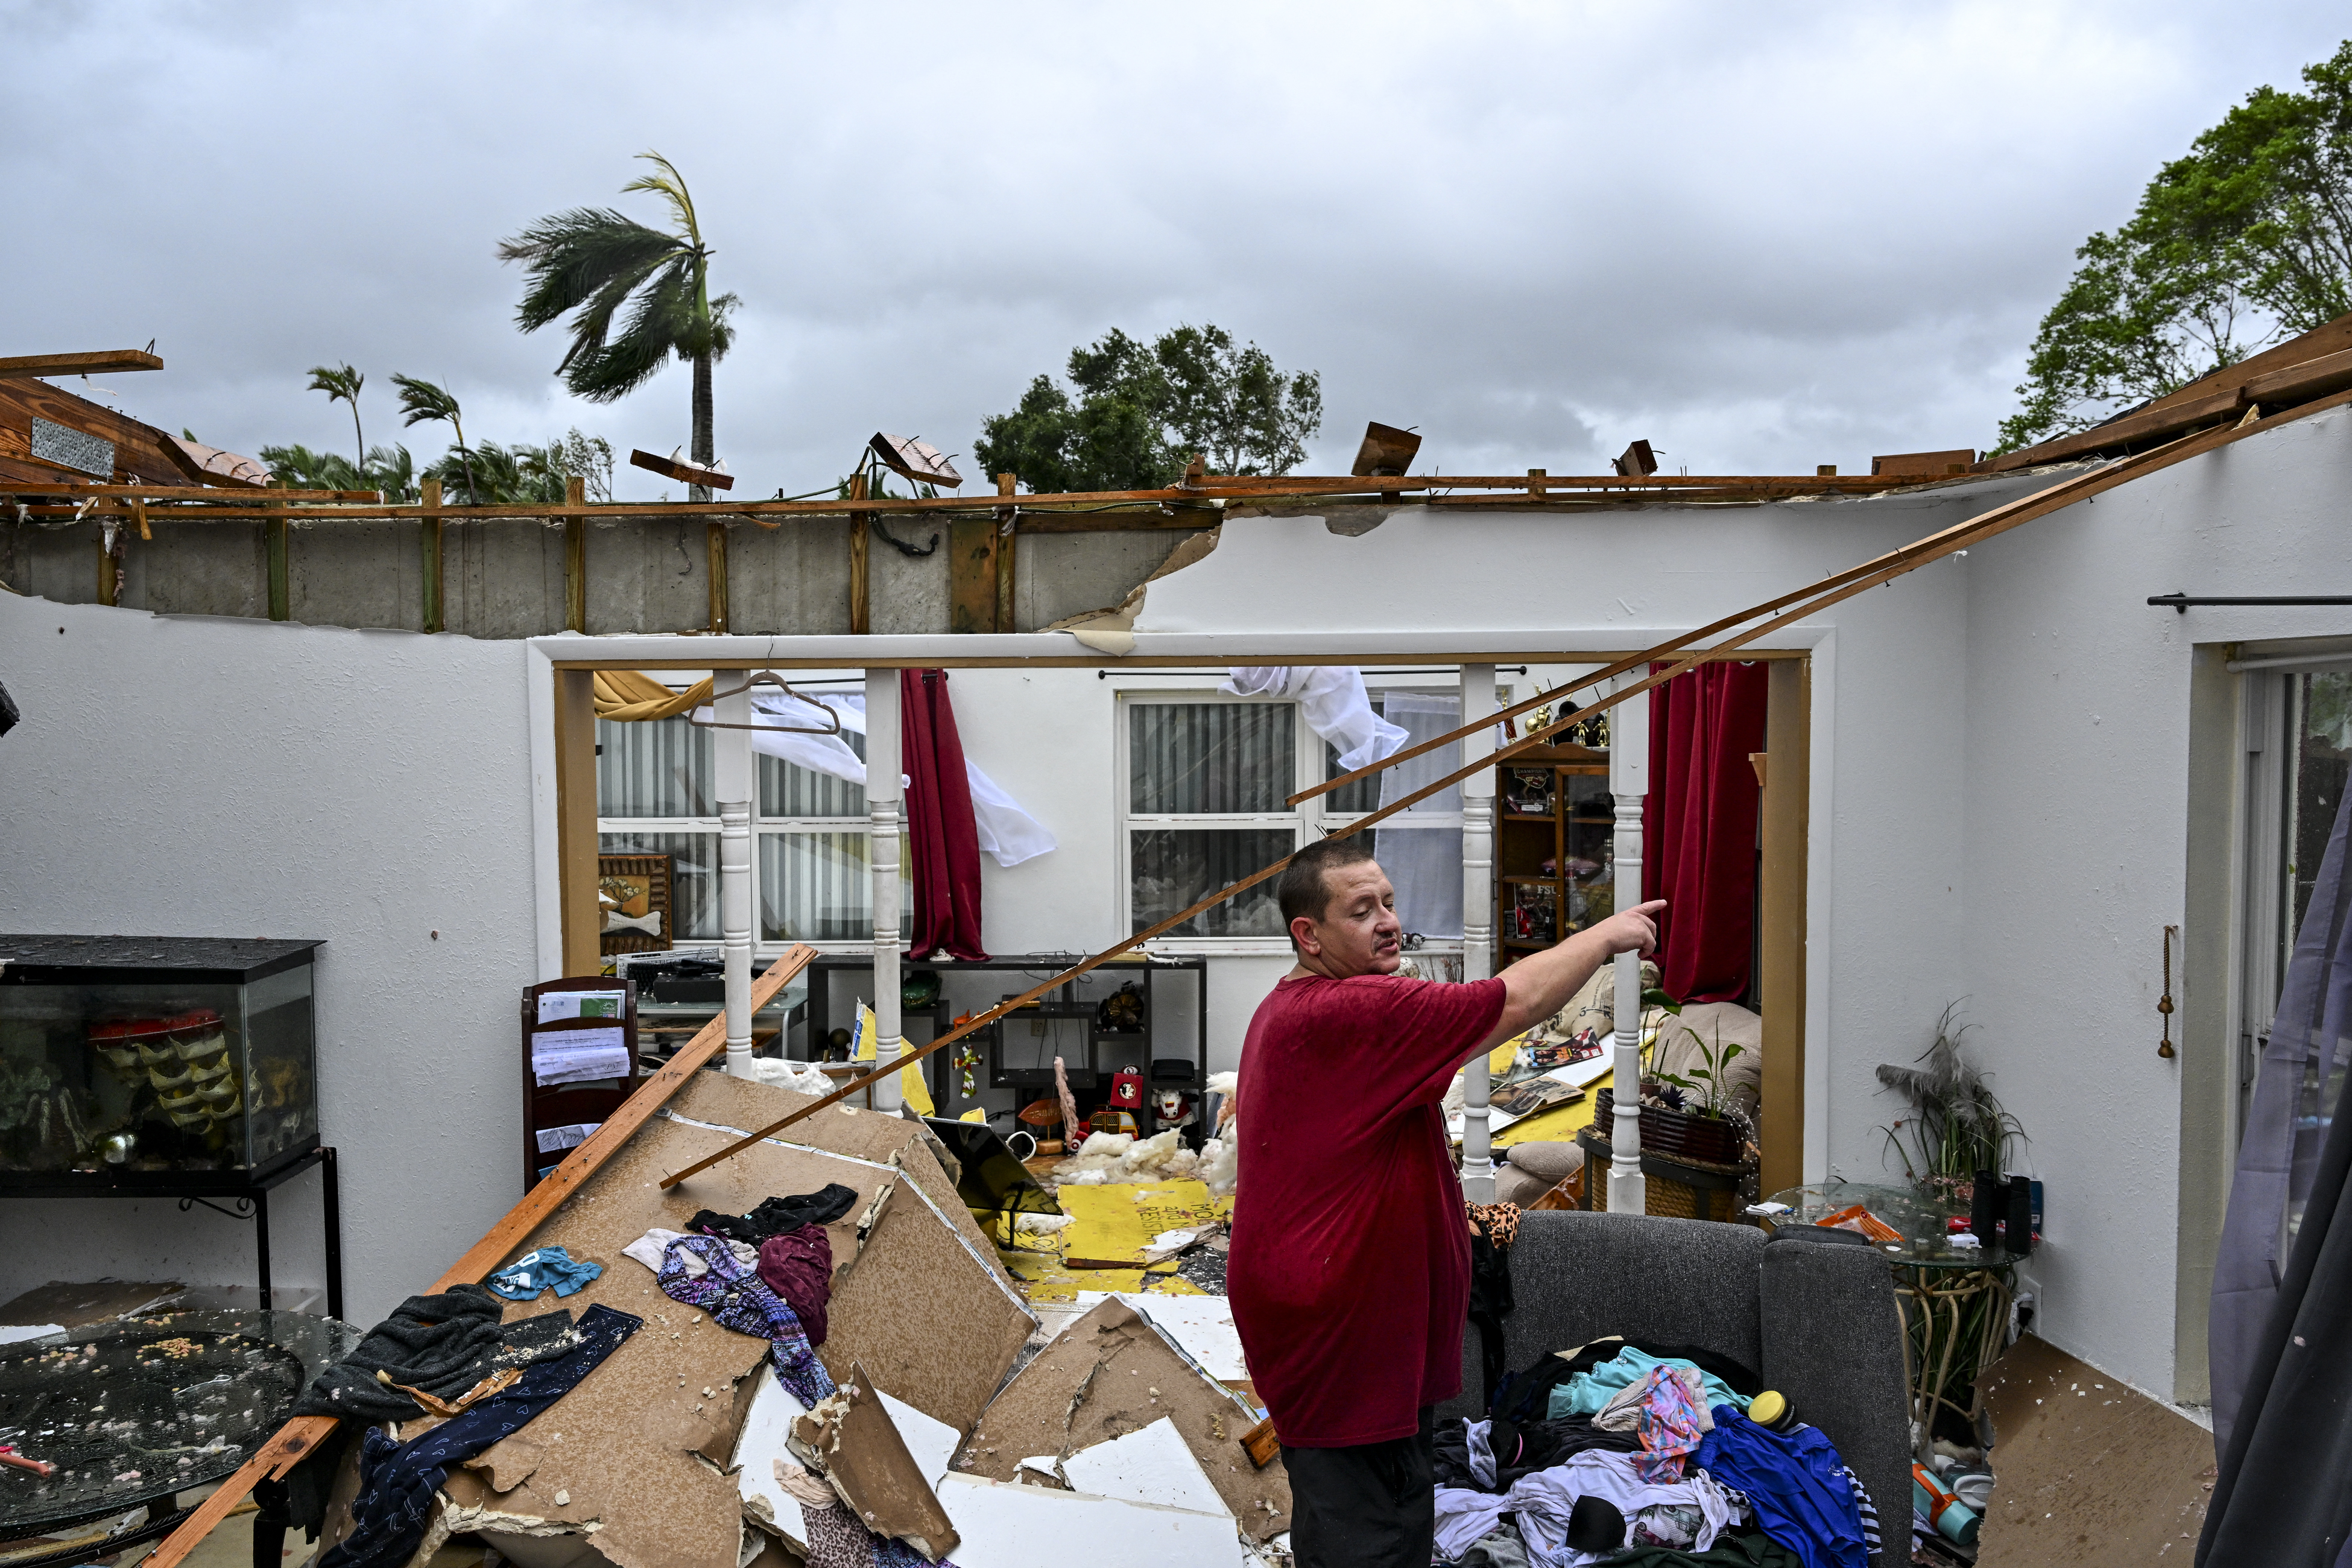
1956, 1126
1705, 1089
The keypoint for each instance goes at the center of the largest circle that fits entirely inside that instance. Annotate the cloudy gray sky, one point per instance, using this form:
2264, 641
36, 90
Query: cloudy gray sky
1763, 236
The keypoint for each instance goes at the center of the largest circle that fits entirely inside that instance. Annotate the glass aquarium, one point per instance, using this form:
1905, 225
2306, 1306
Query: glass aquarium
130, 1061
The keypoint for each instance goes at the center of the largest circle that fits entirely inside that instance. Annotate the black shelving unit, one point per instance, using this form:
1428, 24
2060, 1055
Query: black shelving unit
1013, 1063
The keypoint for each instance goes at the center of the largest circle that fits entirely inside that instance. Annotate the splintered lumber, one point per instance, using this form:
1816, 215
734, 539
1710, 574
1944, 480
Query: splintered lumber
1806, 601
680, 469
90, 363
302, 1434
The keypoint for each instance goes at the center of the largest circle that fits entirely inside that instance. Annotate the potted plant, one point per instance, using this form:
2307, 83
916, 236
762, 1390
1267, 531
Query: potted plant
1688, 1114
1956, 1126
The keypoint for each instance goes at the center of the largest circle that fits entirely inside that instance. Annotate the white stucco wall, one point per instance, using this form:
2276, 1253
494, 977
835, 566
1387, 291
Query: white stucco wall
197, 777
2073, 774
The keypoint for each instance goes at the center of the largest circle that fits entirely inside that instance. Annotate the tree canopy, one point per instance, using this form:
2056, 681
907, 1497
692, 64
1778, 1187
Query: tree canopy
1141, 410
2246, 240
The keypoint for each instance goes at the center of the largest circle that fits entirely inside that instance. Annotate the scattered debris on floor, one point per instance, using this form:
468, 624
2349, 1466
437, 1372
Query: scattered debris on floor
956, 1388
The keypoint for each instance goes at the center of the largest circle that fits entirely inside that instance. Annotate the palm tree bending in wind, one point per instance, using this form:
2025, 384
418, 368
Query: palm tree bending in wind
423, 401
341, 384
592, 261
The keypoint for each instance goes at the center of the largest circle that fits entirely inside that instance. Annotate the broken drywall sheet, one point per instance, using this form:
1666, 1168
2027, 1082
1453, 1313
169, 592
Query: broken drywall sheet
1112, 631
850, 1439
870, 1135
630, 1450
1202, 1325
764, 1439
1152, 1465
1005, 1525
1112, 1373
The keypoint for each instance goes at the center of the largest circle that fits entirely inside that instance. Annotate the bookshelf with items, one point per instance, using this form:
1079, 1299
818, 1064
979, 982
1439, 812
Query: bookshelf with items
1555, 826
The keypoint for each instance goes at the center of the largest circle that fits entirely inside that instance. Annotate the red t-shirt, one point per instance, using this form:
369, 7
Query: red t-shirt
1349, 1273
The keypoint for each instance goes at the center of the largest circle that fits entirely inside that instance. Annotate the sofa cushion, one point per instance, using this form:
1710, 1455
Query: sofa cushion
1833, 1345
1578, 1277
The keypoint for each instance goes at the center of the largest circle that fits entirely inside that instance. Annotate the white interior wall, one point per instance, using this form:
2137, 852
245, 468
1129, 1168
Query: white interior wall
2075, 775
199, 777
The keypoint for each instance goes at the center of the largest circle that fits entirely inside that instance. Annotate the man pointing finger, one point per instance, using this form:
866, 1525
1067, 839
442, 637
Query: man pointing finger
1349, 1274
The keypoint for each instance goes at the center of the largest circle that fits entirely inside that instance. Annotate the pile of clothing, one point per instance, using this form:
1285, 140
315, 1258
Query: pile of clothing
1654, 1455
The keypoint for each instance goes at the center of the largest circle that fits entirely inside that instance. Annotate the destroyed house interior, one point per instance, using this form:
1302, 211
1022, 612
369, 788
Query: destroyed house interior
514, 1048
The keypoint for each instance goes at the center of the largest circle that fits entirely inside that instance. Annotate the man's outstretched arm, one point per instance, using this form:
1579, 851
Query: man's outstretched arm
1539, 985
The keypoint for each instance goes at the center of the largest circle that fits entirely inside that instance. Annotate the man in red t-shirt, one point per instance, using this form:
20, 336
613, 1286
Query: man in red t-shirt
1349, 1272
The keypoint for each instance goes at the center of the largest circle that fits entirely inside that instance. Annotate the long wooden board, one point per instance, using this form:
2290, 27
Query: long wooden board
90, 363
1806, 601
302, 1434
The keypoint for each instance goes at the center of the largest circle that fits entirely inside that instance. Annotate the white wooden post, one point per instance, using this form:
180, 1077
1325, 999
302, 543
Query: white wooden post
1629, 781
1477, 918
734, 773
882, 801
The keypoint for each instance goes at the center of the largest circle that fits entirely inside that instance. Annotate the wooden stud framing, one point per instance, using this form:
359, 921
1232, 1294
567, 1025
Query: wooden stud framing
1780, 930
861, 595
1005, 545
275, 544
109, 570
576, 555
429, 539
575, 819
714, 541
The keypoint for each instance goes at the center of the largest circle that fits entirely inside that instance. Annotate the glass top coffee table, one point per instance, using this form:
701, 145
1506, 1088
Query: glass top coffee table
129, 1414
1953, 1299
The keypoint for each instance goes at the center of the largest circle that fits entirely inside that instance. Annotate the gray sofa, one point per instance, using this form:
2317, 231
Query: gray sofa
1817, 1320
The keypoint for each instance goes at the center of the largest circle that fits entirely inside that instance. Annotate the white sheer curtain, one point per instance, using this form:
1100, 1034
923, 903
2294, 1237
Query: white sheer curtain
1423, 863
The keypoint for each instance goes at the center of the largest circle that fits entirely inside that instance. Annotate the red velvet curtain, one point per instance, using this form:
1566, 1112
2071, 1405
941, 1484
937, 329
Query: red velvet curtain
1699, 828
942, 845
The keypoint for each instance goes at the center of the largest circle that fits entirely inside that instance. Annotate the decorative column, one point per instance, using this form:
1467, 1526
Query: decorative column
734, 773
882, 801
1629, 781
1477, 917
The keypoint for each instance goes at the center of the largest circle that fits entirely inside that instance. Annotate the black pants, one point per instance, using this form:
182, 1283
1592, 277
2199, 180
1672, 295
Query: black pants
1374, 1505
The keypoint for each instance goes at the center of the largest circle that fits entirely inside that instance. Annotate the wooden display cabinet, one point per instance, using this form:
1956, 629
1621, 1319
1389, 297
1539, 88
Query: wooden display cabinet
1555, 826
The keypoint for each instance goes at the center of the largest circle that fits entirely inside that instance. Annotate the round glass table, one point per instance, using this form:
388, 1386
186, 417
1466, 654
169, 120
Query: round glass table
113, 1422
1954, 1296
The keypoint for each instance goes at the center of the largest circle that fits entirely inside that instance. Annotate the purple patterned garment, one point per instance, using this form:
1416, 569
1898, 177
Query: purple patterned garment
731, 1291
1674, 1422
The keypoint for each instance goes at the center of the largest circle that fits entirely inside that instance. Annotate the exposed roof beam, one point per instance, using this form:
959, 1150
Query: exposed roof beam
90, 363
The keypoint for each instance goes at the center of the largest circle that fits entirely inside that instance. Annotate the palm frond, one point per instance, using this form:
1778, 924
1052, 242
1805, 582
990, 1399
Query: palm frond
421, 401
670, 185
341, 383
572, 257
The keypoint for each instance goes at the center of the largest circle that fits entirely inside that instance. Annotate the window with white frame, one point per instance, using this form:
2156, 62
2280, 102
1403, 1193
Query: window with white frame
812, 879
1203, 781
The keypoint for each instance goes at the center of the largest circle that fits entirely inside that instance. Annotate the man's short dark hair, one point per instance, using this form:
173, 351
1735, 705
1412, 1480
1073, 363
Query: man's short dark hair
1301, 889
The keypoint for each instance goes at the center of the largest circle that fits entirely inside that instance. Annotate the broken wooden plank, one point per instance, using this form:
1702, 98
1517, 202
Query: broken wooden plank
96, 361
683, 470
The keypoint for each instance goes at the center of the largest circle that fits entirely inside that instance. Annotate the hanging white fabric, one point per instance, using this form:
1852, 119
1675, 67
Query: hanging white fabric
1333, 701
1006, 831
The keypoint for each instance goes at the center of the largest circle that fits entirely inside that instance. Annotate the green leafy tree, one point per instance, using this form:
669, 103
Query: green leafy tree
421, 403
341, 383
590, 262
523, 474
388, 469
1141, 410
2246, 240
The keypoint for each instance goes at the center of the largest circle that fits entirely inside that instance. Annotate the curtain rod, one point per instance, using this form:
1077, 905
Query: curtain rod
2181, 602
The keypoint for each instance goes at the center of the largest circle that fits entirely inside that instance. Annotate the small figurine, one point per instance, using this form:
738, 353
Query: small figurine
1170, 1107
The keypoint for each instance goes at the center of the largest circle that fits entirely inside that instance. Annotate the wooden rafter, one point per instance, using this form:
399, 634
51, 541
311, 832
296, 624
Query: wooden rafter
94, 362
